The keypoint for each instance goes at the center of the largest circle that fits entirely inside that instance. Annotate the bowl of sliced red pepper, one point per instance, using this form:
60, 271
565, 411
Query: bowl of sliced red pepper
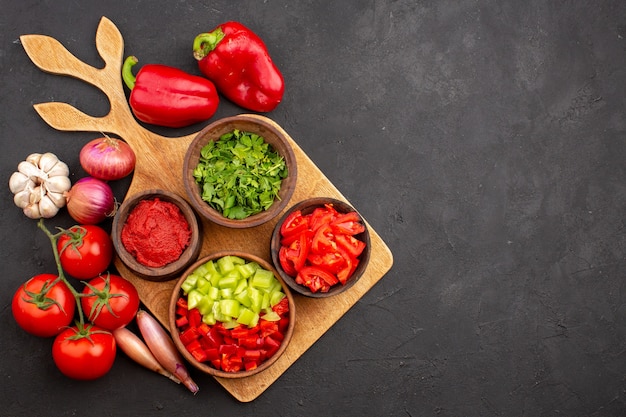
231, 315
320, 247
240, 171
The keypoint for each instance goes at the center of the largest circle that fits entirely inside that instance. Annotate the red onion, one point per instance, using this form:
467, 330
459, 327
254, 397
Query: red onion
90, 201
107, 158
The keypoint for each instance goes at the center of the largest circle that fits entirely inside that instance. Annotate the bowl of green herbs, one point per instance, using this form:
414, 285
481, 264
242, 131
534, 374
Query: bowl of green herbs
240, 171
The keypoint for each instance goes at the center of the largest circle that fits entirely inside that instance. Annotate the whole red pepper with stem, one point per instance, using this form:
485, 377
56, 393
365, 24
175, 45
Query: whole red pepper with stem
237, 61
167, 96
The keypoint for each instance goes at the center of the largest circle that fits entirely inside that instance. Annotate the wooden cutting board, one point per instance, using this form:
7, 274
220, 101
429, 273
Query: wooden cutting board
160, 165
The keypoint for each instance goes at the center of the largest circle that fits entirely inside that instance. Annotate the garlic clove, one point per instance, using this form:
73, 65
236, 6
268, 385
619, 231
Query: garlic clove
60, 169
22, 198
30, 170
47, 161
34, 158
32, 211
47, 208
57, 184
18, 182
36, 194
58, 199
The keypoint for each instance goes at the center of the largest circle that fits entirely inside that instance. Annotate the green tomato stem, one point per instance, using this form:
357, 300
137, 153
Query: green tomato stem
53, 241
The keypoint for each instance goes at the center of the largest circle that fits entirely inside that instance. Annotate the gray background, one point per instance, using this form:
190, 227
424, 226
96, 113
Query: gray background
483, 140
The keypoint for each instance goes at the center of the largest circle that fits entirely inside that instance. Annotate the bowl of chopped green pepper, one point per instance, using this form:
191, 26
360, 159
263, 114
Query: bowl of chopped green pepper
231, 315
240, 171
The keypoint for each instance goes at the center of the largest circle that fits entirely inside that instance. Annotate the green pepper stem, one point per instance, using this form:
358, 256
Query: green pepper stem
53, 241
127, 71
206, 42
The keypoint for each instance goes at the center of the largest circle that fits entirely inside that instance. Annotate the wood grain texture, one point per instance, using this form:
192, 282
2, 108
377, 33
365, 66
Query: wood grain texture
160, 165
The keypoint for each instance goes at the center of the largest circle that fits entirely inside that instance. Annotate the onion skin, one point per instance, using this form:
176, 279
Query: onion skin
90, 201
162, 347
107, 158
137, 350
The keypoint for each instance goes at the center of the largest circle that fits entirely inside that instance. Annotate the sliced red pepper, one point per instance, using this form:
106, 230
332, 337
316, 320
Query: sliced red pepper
250, 365
283, 324
268, 328
282, 307
252, 355
182, 322
214, 337
182, 302
195, 317
204, 329
231, 363
212, 354
189, 335
251, 342
228, 349
197, 351
240, 332
271, 346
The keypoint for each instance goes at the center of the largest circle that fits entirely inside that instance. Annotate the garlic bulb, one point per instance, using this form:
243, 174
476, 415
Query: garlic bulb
38, 185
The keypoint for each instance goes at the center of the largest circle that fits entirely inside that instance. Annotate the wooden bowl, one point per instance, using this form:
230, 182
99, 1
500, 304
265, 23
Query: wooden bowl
173, 269
204, 367
245, 123
307, 207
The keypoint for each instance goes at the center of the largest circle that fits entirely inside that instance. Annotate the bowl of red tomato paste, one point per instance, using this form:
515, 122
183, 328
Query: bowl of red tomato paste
231, 315
320, 247
156, 234
240, 171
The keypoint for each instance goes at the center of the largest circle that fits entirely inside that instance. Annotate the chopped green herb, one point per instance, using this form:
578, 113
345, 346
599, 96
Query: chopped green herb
240, 174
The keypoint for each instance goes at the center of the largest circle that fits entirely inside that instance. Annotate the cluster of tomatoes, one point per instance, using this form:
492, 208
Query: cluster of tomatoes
48, 305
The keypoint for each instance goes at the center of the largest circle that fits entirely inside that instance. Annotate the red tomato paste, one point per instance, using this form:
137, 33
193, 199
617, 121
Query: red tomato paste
156, 233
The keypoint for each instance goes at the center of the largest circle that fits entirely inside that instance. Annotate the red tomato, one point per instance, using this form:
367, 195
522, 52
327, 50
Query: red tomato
295, 223
286, 263
41, 309
348, 224
110, 301
85, 251
84, 354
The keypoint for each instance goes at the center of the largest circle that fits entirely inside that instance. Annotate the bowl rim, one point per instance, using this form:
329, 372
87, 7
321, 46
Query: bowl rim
310, 204
287, 187
169, 271
176, 293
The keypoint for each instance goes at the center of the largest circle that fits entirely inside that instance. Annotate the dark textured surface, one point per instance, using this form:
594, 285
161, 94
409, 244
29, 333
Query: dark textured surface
483, 140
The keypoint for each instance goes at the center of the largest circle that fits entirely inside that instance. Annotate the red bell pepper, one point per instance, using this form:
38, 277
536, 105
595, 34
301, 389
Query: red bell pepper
167, 96
237, 61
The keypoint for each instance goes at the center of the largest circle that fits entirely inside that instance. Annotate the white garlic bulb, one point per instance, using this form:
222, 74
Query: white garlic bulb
39, 185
